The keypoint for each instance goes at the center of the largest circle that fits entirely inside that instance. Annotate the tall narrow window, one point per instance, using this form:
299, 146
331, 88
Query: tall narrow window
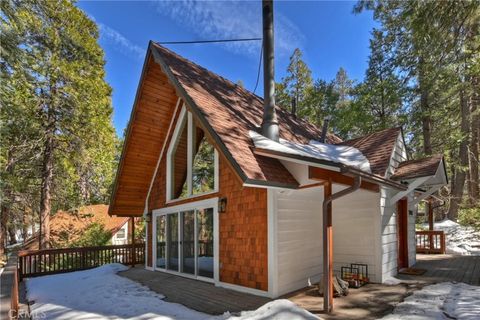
203, 164
192, 162
180, 163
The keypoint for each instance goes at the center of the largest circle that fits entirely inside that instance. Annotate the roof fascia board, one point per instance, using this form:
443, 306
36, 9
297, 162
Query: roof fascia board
425, 194
411, 187
390, 162
329, 165
161, 155
261, 184
195, 109
128, 133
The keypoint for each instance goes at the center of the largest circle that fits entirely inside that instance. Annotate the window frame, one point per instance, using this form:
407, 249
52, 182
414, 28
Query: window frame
187, 116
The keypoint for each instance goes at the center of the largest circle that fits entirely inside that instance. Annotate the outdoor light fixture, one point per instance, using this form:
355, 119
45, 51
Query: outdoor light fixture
222, 204
147, 218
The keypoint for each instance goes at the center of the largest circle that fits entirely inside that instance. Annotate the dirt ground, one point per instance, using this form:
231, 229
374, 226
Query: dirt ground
371, 301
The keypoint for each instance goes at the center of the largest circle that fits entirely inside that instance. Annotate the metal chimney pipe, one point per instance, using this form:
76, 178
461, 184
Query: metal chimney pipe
326, 120
269, 123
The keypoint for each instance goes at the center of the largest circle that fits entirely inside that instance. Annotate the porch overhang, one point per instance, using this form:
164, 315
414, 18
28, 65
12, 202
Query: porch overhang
424, 177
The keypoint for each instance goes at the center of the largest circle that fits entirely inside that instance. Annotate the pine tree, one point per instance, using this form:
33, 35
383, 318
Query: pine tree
434, 45
53, 49
295, 85
378, 101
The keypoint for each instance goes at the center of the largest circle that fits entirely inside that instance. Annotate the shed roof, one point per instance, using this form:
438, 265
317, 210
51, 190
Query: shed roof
377, 147
417, 168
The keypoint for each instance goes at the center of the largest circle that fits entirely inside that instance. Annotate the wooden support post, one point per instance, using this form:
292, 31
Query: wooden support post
328, 252
132, 222
430, 224
430, 214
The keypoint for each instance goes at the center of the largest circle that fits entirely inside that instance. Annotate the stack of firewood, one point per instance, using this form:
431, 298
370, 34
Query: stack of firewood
340, 287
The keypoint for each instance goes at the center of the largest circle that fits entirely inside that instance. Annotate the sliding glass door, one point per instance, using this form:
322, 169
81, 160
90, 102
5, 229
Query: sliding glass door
185, 242
173, 242
188, 242
161, 241
205, 243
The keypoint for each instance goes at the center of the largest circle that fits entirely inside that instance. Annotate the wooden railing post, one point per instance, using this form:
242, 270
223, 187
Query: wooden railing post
442, 239
431, 242
132, 221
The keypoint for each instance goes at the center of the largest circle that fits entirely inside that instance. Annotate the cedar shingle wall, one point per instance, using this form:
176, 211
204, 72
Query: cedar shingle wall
243, 233
242, 228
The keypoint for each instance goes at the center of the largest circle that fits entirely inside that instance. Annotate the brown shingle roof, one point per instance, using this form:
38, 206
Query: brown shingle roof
417, 168
232, 111
377, 148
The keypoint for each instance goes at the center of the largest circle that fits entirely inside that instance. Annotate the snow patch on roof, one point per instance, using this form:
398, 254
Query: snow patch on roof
345, 155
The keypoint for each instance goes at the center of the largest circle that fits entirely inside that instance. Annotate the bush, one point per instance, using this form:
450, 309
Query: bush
94, 235
470, 217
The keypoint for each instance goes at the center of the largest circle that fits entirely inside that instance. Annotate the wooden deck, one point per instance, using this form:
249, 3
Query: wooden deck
194, 294
447, 267
372, 301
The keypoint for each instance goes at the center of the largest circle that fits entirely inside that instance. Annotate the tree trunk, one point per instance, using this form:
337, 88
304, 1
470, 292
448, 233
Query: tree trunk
3, 228
474, 188
12, 234
47, 182
460, 171
5, 205
24, 225
425, 110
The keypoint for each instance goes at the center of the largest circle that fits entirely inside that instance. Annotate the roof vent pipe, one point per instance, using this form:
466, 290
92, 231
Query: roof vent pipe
269, 123
326, 120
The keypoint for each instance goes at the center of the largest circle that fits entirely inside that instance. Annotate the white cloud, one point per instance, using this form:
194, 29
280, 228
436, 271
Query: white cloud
120, 43
231, 19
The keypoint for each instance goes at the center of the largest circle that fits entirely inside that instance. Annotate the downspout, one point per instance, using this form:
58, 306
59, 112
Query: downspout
327, 223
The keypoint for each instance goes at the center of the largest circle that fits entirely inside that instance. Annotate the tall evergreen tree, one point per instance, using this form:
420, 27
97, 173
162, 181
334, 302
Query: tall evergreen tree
295, 85
54, 51
431, 44
379, 100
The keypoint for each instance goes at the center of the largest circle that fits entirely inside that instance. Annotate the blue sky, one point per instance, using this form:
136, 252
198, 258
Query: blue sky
327, 32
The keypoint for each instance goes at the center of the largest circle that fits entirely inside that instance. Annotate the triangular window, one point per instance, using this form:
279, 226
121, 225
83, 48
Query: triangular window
192, 163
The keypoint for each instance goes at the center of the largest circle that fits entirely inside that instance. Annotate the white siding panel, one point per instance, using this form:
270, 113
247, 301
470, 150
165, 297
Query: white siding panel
299, 235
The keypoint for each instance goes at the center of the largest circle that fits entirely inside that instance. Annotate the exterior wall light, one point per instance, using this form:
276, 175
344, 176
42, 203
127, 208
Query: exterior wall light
222, 205
148, 217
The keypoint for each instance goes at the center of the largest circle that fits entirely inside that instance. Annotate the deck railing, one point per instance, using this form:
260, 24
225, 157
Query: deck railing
430, 241
33, 263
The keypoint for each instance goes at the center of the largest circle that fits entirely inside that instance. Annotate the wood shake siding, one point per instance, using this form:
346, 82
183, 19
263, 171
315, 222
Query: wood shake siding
242, 227
243, 233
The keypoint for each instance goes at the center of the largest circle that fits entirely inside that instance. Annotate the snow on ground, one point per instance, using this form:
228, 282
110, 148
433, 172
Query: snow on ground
459, 239
447, 300
279, 310
102, 294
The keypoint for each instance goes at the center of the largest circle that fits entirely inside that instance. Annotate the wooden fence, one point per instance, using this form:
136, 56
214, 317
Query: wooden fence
430, 241
33, 263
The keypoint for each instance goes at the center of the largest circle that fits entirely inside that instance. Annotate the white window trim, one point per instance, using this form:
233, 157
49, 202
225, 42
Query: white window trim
197, 205
190, 129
